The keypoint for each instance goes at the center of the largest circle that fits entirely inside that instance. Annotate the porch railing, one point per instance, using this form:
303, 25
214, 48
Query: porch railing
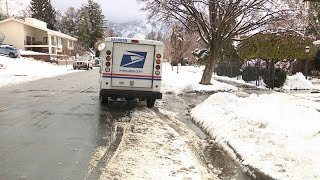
35, 43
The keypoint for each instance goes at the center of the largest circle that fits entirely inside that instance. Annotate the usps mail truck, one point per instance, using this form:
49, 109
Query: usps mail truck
130, 68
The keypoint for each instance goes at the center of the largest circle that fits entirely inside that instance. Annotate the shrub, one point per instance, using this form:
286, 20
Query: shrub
228, 69
201, 55
280, 77
317, 61
249, 74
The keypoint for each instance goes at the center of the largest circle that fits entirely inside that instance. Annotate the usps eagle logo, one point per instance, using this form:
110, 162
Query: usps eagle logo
133, 59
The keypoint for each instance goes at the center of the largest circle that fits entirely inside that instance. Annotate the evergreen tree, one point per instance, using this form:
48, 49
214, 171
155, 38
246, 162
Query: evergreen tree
96, 20
317, 61
84, 27
280, 46
69, 21
1, 16
43, 10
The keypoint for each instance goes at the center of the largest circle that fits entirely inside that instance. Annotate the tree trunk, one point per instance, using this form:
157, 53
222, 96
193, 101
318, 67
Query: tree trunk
208, 71
291, 67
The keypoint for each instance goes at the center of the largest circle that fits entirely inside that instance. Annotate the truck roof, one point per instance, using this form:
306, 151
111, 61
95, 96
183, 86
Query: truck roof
133, 40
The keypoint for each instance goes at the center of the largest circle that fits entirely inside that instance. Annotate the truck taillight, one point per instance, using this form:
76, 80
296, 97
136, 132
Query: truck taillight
157, 67
108, 64
108, 58
108, 52
135, 41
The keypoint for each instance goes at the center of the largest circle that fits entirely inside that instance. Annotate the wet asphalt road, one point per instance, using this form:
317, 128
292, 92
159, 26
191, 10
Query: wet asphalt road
49, 128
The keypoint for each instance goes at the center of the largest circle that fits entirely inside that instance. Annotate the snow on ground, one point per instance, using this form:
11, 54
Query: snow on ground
295, 82
187, 80
315, 80
239, 80
298, 82
151, 149
275, 133
31, 53
18, 70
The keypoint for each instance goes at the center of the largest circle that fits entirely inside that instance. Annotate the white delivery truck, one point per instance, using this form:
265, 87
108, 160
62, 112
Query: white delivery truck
130, 68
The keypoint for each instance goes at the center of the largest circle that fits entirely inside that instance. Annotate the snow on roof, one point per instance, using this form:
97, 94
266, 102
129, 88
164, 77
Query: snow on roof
126, 39
50, 32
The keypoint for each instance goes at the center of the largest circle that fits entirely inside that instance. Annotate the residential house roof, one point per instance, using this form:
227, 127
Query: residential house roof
44, 28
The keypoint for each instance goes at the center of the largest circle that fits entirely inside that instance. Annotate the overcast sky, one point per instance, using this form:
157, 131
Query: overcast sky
114, 10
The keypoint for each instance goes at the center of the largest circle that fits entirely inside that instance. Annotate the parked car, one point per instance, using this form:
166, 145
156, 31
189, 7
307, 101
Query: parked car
10, 51
85, 61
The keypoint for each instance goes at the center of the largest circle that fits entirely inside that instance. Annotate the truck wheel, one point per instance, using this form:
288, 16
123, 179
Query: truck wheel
87, 67
91, 67
150, 103
11, 55
104, 100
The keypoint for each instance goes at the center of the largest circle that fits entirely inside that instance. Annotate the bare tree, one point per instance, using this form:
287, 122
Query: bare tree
216, 21
176, 43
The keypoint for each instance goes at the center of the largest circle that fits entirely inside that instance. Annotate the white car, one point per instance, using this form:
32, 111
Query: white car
83, 62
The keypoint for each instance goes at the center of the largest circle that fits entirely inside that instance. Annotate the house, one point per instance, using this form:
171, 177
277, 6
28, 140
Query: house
32, 34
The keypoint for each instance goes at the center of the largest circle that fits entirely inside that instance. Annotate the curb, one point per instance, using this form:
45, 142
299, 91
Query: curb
252, 172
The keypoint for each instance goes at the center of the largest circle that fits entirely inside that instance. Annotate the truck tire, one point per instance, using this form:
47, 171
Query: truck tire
104, 100
150, 103
87, 68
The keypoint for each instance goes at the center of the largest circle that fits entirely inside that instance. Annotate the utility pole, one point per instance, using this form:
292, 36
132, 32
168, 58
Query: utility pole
7, 8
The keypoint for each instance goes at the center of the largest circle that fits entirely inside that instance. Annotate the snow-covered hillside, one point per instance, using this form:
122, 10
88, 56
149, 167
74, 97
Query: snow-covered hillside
133, 29
136, 29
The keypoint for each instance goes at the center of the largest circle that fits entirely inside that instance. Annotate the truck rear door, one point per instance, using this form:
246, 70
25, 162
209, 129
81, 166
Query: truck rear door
132, 65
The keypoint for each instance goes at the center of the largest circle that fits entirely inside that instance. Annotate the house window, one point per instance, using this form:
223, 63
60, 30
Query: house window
45, 40
52, 41
59, 41
28, 40
70, 43
46, 50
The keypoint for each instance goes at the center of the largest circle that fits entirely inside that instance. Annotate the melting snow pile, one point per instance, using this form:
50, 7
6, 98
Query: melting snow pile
151, 149
187, 80
298, 82
270, 132
20, 70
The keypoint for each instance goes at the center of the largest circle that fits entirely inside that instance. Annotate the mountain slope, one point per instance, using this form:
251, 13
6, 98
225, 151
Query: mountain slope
132, 29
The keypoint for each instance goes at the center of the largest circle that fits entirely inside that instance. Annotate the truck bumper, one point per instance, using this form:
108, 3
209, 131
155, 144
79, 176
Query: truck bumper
130, 94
